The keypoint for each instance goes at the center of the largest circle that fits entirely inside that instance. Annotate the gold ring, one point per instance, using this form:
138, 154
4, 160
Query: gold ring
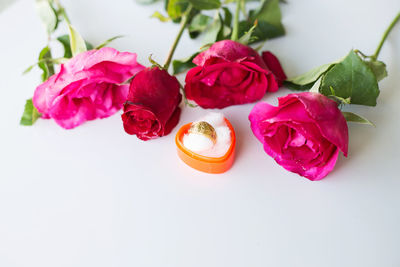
204, 128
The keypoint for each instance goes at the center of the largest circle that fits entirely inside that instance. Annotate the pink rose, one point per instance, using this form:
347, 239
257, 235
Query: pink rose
303, 134
152, 109
230, 73
87, 87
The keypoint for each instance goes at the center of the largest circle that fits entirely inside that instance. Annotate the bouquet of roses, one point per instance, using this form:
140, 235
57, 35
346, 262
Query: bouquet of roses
304, 133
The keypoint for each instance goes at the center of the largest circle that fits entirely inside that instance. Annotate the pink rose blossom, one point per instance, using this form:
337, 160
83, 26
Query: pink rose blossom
303, 134
87, 87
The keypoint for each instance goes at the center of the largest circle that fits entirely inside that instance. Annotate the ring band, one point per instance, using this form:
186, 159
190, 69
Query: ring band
204, 128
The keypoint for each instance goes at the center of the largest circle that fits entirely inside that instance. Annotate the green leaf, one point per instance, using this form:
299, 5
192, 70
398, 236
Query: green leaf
47, 15
205, 4
176, 8
77, 43
269, 17
297, 87
64, 40
30, 115
89, 46
224, 32
310, 76
353, 78
182, 65
198, 24
46, 65
211, 33
160, 16
107, 42
378, 68
352, 117
227, 16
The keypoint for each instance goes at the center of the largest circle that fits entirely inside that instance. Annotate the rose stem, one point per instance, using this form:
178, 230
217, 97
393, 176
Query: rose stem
385, 35
185, 20
62, 11
235, 30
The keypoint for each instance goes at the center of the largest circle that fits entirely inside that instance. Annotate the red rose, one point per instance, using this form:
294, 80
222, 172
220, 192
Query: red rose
230, 73
152, 109
274, 65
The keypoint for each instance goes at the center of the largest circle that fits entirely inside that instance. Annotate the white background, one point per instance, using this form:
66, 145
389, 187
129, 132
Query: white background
95, 196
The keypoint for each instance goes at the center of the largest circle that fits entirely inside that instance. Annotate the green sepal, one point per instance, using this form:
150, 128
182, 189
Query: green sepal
77, 43
105, 43
352, 117
155, 63
66, 43
247, 36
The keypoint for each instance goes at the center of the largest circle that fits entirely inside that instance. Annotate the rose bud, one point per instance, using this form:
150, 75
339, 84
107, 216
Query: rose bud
152, 109
303, 134
87, 87
230, 73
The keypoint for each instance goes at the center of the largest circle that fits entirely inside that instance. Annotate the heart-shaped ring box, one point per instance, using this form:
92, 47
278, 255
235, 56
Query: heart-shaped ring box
203, 163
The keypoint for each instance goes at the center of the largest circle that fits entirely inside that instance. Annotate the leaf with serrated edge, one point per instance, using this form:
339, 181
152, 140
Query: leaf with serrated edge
352, 117
352, 78
378, 68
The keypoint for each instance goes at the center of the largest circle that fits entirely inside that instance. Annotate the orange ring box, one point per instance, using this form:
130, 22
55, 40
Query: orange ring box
203, 163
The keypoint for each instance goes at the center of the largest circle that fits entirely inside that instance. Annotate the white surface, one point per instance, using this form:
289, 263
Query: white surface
95, 196
5, 3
